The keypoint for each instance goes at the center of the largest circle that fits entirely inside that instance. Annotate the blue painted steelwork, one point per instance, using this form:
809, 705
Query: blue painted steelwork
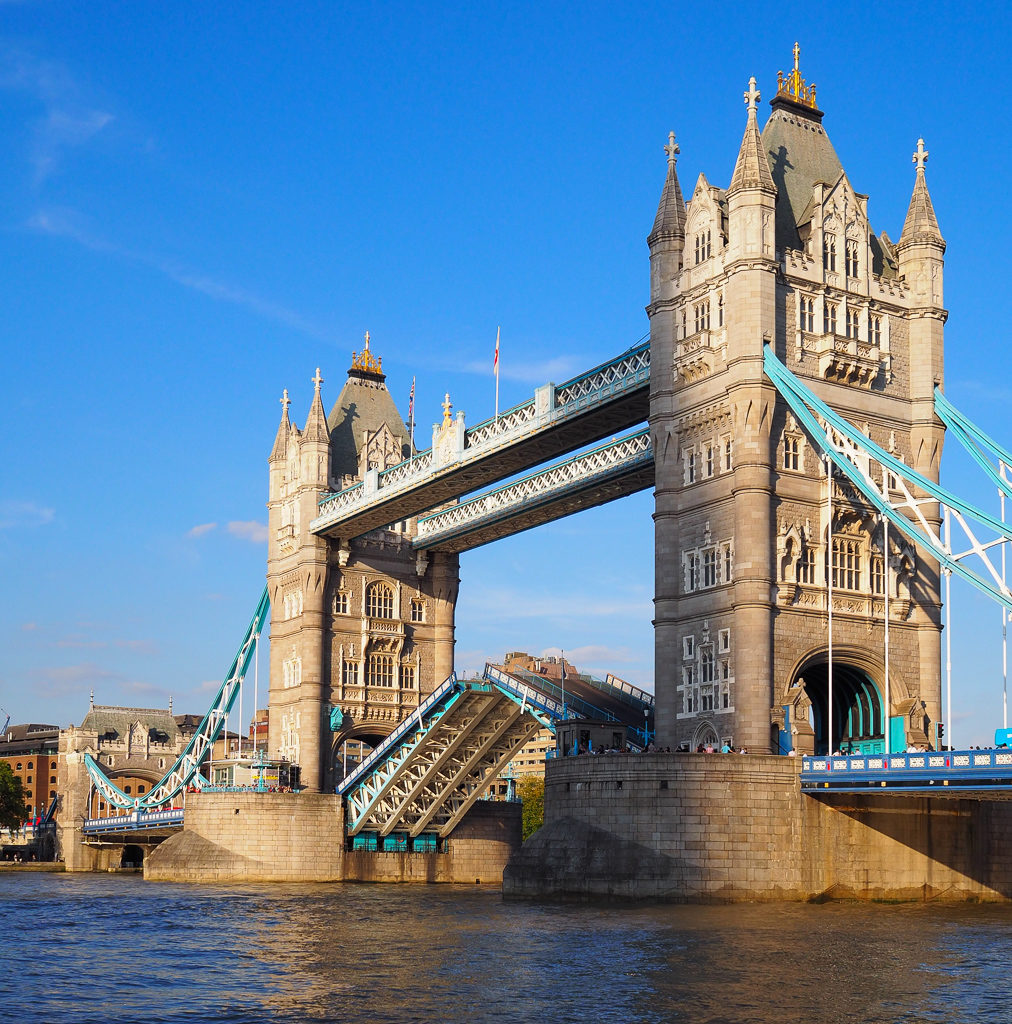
186, 768
135, 821
424, 714
981, 447
855, 463
925, 771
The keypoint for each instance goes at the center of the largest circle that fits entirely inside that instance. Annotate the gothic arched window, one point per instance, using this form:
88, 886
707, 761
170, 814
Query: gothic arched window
379, 601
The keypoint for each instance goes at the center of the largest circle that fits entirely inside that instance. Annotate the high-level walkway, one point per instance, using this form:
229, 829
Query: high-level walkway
559, 418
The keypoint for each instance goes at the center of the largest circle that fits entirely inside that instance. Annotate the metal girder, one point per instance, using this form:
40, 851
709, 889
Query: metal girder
611, 471
187, 766
511, 746
611, 397
473, 771
443, 754
373, 784
897, 491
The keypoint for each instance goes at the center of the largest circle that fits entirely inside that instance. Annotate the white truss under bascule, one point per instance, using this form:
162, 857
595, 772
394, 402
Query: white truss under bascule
427, 775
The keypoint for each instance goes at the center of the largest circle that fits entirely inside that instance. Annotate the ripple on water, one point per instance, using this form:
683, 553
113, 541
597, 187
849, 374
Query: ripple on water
114, 949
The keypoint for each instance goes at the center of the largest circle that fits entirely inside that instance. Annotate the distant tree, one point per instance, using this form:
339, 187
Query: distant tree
12, 798
531, 790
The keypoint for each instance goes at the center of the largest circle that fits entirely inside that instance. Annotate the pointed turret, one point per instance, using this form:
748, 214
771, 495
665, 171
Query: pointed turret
752, 170
316, 428
921, 224
280, 450
667, 237
670, 220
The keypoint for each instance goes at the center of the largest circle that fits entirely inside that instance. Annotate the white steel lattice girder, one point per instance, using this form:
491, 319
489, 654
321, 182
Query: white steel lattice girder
499, 714
436, 756
610, 398
511, 746
475, 773
373, 787
608, 472
480, 728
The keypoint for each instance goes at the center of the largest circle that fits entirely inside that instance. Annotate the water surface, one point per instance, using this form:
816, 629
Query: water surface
113, 948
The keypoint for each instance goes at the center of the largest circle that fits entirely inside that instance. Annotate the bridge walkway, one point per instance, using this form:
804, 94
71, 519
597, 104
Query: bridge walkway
559, 419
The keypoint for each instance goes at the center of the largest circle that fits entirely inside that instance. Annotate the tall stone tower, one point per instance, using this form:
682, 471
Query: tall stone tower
361, 628
745, 550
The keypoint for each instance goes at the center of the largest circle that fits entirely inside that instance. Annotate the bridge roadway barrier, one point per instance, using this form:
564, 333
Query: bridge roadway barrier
729, 827
559, 419
987, 773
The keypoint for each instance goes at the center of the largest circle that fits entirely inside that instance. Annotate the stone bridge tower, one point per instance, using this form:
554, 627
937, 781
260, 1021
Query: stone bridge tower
361, 629
785, 256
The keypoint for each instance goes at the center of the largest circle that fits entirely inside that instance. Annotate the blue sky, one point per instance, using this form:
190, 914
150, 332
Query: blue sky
205, 202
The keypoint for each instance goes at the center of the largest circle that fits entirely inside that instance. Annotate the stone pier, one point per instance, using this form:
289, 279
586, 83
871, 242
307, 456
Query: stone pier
727, 827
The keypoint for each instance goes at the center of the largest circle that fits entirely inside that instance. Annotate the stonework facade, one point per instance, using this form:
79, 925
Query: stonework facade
785, 257
361, 629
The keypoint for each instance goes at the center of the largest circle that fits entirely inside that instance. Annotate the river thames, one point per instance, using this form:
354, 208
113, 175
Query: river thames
115, 949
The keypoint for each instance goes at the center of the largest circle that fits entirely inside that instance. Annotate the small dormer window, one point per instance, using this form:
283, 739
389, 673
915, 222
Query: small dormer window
417, 610
792, 444
808, 313
876, 330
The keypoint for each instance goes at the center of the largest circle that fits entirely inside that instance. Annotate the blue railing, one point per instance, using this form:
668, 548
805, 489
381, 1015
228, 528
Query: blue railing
923, 770
134, 821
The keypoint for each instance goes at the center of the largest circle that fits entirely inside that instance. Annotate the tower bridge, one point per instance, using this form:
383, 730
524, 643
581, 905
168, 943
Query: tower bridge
793, 389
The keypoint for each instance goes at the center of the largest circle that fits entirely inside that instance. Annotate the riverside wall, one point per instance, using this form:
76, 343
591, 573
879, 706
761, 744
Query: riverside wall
728, 827
287, 837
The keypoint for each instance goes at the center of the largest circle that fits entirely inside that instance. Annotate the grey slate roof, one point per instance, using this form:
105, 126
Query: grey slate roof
362, 407
104, 720
920, 224
799, 154
670, 219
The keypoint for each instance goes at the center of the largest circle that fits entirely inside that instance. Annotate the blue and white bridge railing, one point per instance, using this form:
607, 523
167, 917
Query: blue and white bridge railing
135, 821
923, 772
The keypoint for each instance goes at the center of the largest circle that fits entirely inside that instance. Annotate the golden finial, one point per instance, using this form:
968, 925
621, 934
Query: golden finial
366, 362
793, 85
447, 406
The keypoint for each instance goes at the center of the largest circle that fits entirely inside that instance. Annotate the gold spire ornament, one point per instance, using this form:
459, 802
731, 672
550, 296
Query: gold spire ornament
447, 406
366, 362
793, 87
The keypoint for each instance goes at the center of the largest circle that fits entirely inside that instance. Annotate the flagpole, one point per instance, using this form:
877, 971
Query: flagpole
411, 422
495, 366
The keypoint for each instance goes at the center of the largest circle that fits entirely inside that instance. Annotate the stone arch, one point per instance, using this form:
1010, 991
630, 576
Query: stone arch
355, 740
133, 857
706, 732
859, 718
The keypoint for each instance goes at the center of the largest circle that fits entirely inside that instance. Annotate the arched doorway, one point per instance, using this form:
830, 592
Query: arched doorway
857, 719
351, 748
705, 735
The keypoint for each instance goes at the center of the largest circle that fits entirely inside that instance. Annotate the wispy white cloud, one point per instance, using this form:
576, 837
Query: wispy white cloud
64, 223
72, 680
201, 529
526, 372
24, 514
507, 603
28, 627
248, 530
68, 117
79, 643
594, 654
